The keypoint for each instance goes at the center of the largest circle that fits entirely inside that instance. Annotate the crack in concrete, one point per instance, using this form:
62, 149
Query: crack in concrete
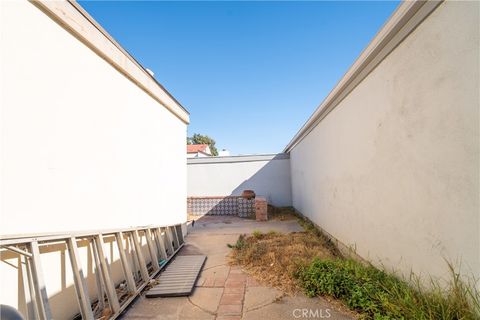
203, 309
224, 264
266, 304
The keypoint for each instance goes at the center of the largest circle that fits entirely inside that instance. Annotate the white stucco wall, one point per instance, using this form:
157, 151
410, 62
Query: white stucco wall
82, 147
393, 170
80, 142
268, 176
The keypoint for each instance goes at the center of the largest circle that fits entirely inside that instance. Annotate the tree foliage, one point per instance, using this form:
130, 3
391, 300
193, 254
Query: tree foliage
203, 139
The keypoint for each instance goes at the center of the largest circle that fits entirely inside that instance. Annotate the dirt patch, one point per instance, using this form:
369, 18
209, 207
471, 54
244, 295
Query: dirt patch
273, 258
281, 213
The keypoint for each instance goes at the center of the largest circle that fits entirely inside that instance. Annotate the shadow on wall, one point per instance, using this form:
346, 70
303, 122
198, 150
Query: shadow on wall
267, 175
269, 182
225, 206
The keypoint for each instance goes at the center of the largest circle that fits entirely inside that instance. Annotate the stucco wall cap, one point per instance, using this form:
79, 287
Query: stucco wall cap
403, 21
74, 19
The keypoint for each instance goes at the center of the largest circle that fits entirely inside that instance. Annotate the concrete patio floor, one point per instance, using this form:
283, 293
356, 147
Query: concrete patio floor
226, 292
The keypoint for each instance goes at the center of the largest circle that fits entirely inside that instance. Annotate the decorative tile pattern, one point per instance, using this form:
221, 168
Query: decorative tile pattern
245, 207
230, 206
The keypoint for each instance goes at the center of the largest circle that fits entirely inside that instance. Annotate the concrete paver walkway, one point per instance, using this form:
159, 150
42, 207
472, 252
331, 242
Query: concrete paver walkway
225, 292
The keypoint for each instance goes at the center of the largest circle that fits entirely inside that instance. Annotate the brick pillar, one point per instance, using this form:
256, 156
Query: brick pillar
261, 209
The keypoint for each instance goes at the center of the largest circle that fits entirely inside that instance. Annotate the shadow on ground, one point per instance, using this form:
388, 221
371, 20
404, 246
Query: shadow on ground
226, 292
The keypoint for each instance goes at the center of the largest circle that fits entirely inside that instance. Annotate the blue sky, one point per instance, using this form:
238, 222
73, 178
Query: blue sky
249, 73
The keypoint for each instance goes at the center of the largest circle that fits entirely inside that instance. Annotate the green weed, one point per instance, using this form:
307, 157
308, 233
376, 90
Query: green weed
376, 294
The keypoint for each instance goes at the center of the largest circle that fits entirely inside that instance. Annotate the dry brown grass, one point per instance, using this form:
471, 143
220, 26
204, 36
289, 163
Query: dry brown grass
273, 258
281, 213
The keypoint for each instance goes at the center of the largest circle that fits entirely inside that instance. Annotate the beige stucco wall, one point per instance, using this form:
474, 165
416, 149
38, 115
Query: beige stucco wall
393, 170
82, 147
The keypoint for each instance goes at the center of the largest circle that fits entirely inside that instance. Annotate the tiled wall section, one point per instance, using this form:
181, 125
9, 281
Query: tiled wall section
232, 206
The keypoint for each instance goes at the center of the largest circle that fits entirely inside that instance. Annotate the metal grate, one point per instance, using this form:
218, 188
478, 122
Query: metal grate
179, 278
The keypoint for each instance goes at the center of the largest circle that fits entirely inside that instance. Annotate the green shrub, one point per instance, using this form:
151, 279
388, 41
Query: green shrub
378, 295
240, 244
257, 234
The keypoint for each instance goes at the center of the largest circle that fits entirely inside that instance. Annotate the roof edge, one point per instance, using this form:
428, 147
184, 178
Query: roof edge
75, 20
401, 23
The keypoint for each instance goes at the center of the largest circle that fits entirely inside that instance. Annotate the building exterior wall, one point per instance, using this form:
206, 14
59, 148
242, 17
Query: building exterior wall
83, 146
268, 176
393, 170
